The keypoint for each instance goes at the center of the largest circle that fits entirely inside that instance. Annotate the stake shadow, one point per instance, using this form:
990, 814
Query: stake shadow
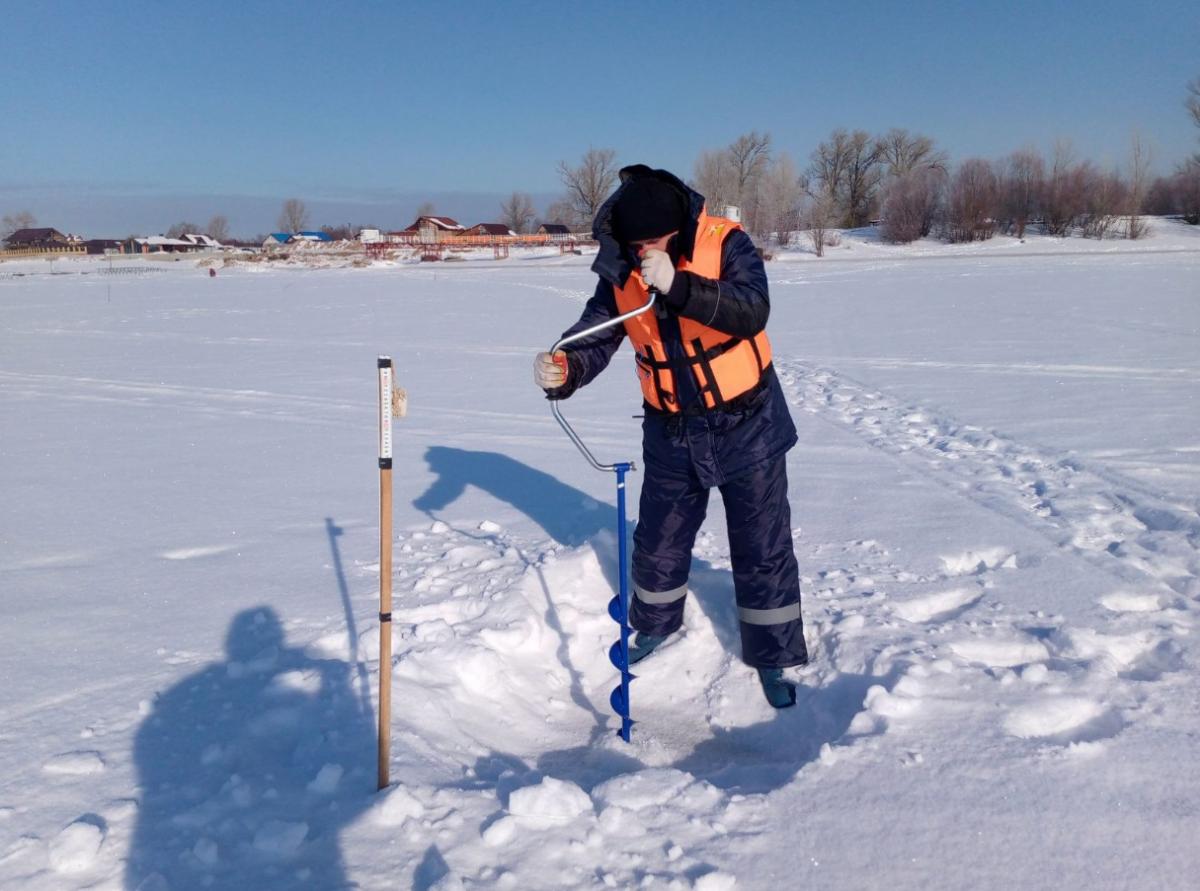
332, 530
247, 769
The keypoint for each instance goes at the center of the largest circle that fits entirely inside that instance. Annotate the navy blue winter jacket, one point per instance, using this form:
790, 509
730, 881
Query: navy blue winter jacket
713, 444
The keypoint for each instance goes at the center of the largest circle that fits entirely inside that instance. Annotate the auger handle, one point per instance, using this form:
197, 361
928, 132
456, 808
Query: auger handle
579, 335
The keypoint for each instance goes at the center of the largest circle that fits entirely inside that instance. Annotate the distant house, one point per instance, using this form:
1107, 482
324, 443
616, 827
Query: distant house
104, 245
160, 244
37, 238
490, 229
430, 228
203, 242
277, 239
556, 231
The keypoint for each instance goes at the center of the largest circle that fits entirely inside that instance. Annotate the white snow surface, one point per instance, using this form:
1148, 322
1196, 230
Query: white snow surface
995, 499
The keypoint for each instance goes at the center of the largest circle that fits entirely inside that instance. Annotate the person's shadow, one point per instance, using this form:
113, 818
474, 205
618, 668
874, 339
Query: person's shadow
249, 768
757, 758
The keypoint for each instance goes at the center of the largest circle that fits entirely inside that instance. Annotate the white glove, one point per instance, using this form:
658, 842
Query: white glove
658, 271
549, 373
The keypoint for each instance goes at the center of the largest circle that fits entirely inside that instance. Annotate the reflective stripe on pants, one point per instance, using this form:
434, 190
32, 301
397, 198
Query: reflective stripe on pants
766, 577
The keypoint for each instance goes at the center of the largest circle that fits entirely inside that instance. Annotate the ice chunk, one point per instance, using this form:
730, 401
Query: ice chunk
75, 764
326, 780
75, 848
399, 805
646, 788
1052, 716
280, 839
551, 799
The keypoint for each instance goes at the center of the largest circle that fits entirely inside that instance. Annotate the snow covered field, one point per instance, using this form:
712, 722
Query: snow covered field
996, 499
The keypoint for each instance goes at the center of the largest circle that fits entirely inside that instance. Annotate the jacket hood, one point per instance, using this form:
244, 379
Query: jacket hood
614, 262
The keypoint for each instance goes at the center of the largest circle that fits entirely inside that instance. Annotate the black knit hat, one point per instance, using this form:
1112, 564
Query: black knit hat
648, 208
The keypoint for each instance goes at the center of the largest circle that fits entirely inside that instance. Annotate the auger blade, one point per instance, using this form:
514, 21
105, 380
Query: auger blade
618, 657
619, 703
615, 611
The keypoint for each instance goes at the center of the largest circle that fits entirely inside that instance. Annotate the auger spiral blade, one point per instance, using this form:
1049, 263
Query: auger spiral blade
615, 611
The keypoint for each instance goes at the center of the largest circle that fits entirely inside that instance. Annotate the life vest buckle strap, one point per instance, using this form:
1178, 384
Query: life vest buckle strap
710, 378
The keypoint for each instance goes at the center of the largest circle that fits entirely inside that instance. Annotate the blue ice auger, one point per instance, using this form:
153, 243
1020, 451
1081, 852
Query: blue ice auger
618, 608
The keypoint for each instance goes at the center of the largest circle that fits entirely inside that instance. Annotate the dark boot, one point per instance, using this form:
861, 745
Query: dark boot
780, 693
642, 646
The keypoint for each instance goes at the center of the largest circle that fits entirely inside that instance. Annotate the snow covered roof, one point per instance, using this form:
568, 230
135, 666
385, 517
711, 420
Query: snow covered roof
163, 241
315, 236
281, 237
202, 240
438, 223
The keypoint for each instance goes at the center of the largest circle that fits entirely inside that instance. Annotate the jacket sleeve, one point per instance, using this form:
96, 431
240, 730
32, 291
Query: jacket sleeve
738, 304
588, 357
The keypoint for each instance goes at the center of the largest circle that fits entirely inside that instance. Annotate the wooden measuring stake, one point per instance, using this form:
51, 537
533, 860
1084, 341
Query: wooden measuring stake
385, 568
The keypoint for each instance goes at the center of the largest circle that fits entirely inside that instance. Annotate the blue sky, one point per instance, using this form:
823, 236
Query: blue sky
131, 116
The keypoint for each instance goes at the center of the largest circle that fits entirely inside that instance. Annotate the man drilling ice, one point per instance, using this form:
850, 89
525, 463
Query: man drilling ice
715, 414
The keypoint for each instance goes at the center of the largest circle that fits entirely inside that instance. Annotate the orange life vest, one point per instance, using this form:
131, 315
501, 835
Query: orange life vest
724, 367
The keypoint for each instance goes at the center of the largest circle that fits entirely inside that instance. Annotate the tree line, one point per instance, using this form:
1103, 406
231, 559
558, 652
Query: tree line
900, 180
904, 182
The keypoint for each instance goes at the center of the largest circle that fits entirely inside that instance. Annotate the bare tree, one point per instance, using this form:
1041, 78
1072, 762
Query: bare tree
819, 215
591, 182
902, 152
828, 166
780, 199
911, 204
1160, 197
749, 153
563, 213
180, 229
749, 156
863, 177
517, 212
713, 177
1139, 185
1193, 100
293, 217
1064, 199
1021, 184
1105, 197
218, 228
971, 204
1186, 186
847, 167
11, 223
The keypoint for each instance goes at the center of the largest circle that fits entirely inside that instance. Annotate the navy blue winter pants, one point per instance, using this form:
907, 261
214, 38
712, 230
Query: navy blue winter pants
766, 578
